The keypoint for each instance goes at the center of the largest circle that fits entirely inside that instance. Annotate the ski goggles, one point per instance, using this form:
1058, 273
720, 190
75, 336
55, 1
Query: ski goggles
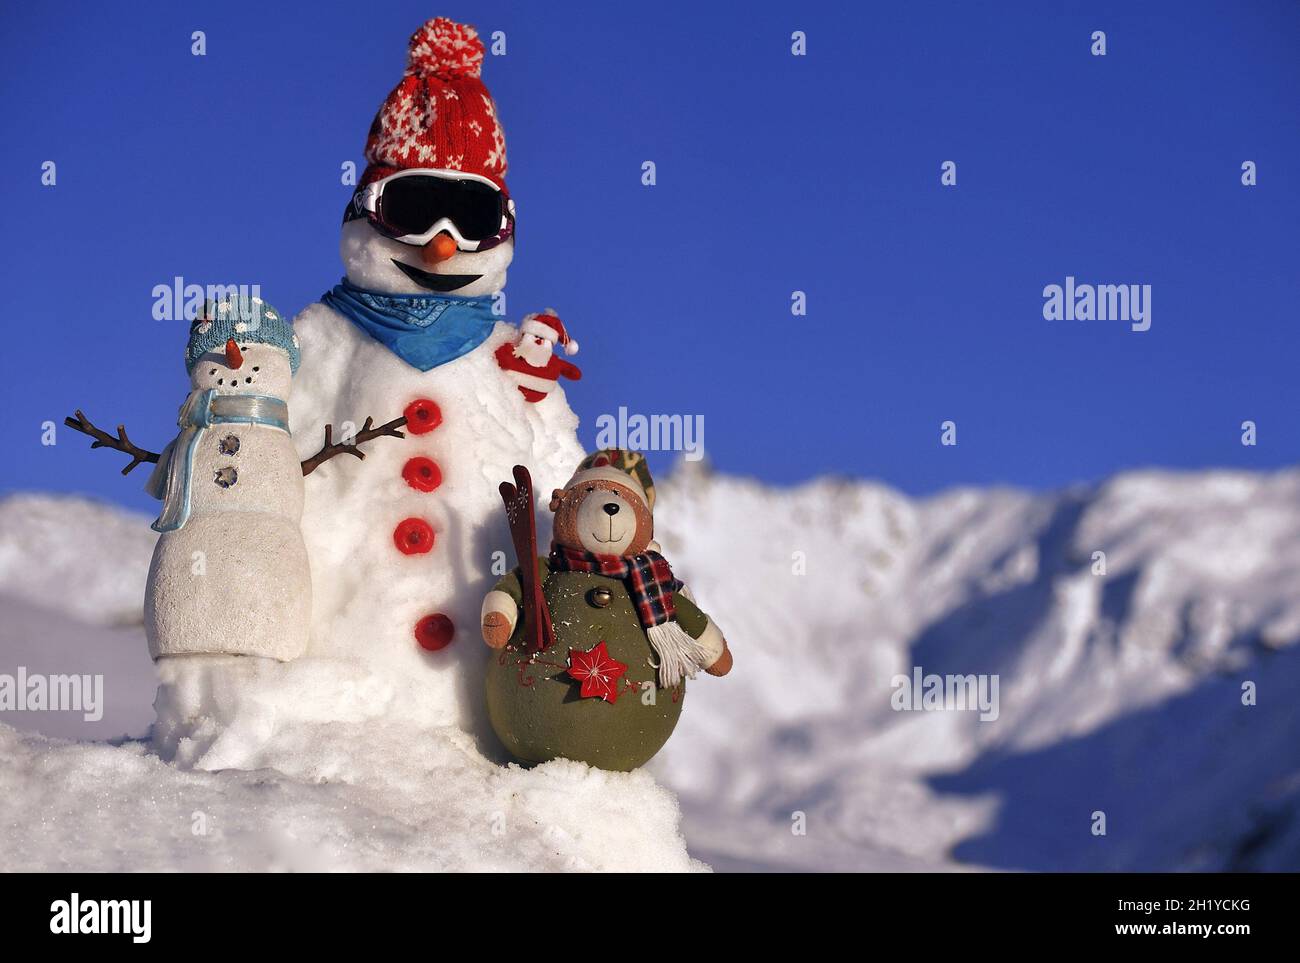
415, 206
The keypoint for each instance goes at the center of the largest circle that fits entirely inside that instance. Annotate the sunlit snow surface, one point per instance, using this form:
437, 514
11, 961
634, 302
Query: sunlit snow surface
1120, 693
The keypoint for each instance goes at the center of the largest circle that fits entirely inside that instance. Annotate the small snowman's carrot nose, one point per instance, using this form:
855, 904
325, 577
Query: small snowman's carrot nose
234, 357
439, 249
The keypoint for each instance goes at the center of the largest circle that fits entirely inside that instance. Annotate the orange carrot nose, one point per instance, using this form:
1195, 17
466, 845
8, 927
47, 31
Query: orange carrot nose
439, 249
234, 357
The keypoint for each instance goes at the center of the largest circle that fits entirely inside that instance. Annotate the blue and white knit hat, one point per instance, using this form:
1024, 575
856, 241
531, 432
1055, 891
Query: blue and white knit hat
245, 320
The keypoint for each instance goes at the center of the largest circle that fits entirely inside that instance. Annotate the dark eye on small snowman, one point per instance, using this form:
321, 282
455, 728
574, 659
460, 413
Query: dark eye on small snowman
256, 368
248, 381
221, 381
213, 371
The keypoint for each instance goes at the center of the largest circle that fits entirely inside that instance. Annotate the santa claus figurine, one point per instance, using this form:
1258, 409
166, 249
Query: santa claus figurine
531, 362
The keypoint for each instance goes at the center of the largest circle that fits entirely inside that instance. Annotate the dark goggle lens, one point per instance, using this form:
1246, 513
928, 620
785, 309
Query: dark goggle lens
412, 205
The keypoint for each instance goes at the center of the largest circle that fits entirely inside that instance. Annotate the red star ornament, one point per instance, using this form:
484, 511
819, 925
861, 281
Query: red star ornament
598, 673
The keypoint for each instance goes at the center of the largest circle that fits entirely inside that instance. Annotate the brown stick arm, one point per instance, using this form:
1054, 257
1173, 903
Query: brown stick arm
332, 448
104, 440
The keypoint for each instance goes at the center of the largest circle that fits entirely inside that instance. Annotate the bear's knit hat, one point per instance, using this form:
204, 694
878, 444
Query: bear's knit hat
247, 320
440, 115
627, 468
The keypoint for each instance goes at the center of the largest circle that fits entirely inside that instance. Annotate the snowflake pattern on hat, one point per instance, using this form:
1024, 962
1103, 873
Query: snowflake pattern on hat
440, 115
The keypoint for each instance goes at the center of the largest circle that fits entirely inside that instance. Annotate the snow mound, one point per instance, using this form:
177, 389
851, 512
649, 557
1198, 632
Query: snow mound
373, 797
298, 766
90, 557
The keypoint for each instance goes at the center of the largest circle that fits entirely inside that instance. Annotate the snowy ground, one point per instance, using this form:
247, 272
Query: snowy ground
1119, 692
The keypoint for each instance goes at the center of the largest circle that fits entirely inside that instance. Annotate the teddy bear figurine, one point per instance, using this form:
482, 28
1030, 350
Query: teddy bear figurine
594, 643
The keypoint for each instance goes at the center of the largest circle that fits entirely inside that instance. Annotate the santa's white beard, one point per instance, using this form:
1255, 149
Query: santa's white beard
535, 354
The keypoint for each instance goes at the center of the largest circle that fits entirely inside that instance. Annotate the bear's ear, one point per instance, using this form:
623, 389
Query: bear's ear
556, 497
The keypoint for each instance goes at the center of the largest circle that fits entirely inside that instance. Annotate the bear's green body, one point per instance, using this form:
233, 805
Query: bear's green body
538, 711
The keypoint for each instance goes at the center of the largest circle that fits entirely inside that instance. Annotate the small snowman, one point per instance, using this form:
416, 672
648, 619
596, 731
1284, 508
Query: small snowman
230, 574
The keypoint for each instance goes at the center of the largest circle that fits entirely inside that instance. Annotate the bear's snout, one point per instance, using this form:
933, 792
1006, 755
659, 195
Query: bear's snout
611, 509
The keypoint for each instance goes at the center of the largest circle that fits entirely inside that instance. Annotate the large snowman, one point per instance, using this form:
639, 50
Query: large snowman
402, 552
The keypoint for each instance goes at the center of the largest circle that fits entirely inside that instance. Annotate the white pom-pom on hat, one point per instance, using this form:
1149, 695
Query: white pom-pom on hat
445, 49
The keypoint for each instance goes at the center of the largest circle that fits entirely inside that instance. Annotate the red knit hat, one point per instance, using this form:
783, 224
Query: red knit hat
440, 115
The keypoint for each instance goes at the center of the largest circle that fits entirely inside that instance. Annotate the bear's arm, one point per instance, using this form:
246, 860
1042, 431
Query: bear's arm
507, 596
700, 628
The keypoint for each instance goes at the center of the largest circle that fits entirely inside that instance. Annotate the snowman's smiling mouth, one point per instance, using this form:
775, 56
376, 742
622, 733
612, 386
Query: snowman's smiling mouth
435, 282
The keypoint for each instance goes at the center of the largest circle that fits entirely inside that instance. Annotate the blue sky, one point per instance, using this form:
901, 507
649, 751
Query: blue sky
775, 174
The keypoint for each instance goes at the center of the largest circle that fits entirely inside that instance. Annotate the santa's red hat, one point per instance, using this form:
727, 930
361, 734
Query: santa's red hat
440, 115
551, 328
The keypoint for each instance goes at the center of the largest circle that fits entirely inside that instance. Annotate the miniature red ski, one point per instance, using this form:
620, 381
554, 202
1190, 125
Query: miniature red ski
520, 509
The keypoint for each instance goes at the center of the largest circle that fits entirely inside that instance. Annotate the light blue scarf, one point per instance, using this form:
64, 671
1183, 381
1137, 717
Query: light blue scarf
424, 330
171, 479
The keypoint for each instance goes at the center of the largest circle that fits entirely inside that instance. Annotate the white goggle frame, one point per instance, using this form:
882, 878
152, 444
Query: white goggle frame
366, 203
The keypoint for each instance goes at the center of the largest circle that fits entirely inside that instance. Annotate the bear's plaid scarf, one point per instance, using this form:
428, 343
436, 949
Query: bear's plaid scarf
648, 578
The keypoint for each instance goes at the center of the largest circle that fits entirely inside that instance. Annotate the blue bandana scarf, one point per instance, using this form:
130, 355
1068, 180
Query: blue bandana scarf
424, 330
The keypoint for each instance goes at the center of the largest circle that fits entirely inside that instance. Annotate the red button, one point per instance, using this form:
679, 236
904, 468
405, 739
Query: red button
422, 474
422, 415
434, 632
413, 536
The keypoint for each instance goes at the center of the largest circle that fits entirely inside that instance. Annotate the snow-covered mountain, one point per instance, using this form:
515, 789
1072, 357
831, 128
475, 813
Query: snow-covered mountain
1129, 626
1120, 688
